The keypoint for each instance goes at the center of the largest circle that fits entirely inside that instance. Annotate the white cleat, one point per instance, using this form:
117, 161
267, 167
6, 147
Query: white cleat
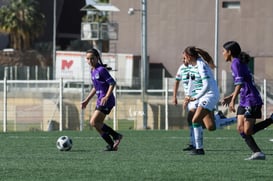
257, 156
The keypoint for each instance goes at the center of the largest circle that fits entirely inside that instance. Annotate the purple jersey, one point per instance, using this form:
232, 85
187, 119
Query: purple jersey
101, 80
249, 95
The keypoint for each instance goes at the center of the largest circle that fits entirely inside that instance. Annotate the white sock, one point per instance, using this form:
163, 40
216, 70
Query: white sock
198, 137
220, 123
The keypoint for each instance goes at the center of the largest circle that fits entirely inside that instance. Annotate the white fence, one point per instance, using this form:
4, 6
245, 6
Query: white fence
33, 104
54, 105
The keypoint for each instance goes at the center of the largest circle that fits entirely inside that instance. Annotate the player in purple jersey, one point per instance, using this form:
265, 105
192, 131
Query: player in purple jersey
103, 85
250, 103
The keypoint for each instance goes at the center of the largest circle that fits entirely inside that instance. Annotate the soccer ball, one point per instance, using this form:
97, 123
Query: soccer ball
64, 143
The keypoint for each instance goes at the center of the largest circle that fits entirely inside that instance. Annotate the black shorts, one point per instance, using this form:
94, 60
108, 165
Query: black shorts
250, 112
103, 109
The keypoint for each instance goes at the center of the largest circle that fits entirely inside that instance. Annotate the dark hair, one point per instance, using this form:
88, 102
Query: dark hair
198, 52
233, 47
96, 53
244, 57
236, 51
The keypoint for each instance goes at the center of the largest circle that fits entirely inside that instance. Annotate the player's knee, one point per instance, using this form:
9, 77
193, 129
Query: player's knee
248, 132
93, 123
211, 128
240, 129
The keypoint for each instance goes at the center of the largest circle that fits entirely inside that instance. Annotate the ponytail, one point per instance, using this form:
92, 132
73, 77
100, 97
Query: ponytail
198, 52
244, 57
206, 56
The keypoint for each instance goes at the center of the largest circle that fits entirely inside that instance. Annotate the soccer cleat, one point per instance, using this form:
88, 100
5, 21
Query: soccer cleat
197, 152
189, 148
110, 148
117, 141
221, 115
257, 156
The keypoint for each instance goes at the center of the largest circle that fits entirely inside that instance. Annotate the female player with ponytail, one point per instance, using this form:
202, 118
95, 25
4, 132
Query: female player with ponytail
206, 93
250, 104
103, 85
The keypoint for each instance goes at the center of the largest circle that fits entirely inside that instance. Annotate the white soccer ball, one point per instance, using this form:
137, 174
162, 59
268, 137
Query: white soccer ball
64, 143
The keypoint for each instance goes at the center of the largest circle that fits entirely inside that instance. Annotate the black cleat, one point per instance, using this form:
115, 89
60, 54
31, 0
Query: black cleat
221, 115
110, 148
197, 152
117, 141
189, 148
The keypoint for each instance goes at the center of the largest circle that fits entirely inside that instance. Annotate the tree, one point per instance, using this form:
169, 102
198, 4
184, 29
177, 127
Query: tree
23, 21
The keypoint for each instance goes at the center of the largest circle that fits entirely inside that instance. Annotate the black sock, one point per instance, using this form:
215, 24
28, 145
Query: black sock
109, 130
107, 139
251, 143
261, 125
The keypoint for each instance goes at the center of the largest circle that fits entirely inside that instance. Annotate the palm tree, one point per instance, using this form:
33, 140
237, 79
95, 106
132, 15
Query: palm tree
22, 20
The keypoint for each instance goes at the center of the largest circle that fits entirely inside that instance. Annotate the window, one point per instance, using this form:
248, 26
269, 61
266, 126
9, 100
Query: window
231, 4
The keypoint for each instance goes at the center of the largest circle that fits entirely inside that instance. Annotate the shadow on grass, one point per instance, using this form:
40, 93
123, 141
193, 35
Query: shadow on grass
222, 150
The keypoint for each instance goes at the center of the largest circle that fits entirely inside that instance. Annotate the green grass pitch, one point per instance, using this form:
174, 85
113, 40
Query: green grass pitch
142, 155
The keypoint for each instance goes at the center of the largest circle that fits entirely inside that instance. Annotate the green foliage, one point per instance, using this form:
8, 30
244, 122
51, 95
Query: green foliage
24, 22
142, 155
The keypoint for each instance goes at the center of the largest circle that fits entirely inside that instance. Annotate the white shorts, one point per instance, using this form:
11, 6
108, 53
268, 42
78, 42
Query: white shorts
209, 101
193, 105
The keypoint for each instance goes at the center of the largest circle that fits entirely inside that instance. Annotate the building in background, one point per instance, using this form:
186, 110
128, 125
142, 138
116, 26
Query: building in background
176, 24
172, 25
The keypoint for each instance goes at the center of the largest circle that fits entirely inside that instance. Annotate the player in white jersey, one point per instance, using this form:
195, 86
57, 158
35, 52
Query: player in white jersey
192, 84
197, 88
183, 74
208, 95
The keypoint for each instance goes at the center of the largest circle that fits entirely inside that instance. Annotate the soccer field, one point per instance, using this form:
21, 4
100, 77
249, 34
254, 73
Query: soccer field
142, 155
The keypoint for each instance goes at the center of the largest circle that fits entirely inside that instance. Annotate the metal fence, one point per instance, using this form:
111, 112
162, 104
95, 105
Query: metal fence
46, 105
26, 73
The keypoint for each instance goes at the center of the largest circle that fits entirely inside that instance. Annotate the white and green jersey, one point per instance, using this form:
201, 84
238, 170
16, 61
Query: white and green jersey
203, 80
196, 80
183, 74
